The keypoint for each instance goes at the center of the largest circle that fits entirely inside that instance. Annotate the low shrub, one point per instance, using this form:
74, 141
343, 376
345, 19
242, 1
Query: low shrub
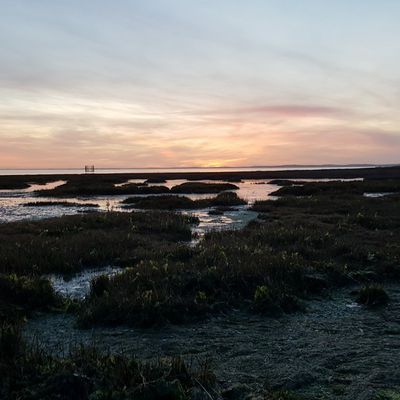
265, 300
75, 189
20, 295
171, 202
202, 187
372, 296
337, 188
11, 343
226, 199
99, 285
166, 202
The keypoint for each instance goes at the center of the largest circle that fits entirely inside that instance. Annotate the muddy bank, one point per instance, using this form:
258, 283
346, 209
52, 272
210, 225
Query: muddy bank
336, 350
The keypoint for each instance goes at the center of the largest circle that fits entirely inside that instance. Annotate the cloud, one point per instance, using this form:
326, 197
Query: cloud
290, 110
279, 110
157, 84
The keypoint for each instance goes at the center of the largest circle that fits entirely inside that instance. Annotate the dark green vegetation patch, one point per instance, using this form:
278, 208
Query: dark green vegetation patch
89, 187
59, 204
302, 246
333, 188
201, 187
171, 202
86, 374
371, 296
21, 295
71, 243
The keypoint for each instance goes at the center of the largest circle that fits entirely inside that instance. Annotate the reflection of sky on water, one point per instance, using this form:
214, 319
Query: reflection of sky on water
77, 286
12, 201
375, 195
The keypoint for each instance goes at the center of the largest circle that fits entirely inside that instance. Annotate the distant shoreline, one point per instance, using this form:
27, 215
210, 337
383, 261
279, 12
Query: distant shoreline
375, 172
4, 171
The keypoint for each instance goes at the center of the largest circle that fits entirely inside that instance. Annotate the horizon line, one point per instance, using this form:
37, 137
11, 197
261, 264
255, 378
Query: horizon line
213, 167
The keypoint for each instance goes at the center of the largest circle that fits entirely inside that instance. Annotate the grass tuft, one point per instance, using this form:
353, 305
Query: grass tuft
201, 187
20, 295
27, 372
371, 296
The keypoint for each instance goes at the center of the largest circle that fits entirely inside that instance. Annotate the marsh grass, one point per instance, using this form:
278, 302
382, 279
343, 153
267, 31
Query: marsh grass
93, 185
372, 296
167, 202
81, 188
338, 188
21, 295
28, 372
59, 204
171, 202
70, 243
387, 394
286, 182
202, 187
225, 271
15, 182
302, 246
13, 185
85, 373
282, 395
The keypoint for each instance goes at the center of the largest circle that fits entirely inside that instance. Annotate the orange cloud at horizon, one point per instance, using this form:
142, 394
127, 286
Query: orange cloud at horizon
269, 135
65, 132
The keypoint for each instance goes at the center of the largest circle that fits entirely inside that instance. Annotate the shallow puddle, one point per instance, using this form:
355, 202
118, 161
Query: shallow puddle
375, 195
77, 286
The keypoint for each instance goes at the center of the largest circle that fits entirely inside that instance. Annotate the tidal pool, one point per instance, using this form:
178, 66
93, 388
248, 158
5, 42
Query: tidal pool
12, 202
77, 286
376, 195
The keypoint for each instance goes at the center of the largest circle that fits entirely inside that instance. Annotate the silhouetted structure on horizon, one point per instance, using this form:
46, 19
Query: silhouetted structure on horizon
89, 169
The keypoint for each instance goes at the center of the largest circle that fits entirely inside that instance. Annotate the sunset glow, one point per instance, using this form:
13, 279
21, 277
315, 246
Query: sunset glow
209, 84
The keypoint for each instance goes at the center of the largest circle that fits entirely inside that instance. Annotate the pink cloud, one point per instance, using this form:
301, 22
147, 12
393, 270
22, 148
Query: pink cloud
289, 110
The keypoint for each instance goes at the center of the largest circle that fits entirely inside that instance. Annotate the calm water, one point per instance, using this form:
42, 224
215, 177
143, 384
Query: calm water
12, 204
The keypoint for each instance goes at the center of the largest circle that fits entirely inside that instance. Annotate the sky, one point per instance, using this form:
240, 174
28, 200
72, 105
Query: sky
203, 83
